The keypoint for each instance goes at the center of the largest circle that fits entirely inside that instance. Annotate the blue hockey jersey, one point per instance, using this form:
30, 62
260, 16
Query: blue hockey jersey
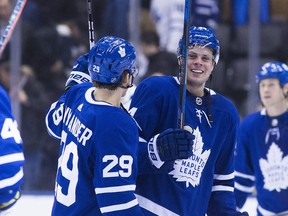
11, 151
98, 155
262, 162
203, 183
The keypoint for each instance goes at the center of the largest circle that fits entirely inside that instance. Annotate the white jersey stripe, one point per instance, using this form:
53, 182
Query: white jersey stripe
115, 189
244, 188
11, 158
119, 207
52, 107
242, 175
154, 207
222, 188
224, 177
11, 181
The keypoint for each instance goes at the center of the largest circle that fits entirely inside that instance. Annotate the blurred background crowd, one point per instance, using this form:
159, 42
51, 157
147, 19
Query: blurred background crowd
52, 34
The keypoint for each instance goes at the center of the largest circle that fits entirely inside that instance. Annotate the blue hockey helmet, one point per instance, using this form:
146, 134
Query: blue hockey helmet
277, 70
204, 37
109, 58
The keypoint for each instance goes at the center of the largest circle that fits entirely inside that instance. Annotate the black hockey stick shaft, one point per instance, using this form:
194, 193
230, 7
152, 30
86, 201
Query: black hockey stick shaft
90, 24
183, 66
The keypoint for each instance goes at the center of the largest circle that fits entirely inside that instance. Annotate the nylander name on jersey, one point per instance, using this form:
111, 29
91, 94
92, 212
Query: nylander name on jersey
76, 127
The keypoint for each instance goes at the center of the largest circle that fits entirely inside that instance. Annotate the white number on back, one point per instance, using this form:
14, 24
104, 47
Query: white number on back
125, 162
70, 174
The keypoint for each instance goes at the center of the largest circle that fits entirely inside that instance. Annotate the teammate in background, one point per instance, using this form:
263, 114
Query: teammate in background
203, 183
98, 154
11, 156
168, 17
262, 152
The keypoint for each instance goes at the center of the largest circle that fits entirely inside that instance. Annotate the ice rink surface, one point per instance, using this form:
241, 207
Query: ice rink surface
40, 205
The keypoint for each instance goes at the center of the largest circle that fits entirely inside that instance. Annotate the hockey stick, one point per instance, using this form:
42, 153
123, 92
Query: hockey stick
11, 24
90, 24
183, 68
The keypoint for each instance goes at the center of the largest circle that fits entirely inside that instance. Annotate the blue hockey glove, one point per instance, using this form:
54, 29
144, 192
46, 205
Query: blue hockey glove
79, 73
174, 144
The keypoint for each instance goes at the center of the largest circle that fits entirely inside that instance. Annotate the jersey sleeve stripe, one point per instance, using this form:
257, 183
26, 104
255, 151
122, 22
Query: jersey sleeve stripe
11, 181
154, 207
119, 207
224, 177
242, 175
266, 212
222, 188
142, 140
11, 158
115, 189
244, 188
47, 121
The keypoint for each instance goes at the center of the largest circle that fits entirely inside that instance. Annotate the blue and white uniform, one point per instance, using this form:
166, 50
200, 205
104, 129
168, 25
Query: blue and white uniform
11, 154
262, 162
98, 155
203, 183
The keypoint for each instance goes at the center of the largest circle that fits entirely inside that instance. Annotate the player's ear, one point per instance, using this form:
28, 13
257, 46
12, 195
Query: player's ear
285, 89
126, 77
126, 80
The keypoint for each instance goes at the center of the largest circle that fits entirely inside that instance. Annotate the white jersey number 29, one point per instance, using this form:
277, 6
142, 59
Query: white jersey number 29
71, 174
125, 162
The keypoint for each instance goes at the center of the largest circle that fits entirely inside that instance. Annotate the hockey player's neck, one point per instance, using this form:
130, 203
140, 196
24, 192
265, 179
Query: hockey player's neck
112, 97
276, 110
196, 90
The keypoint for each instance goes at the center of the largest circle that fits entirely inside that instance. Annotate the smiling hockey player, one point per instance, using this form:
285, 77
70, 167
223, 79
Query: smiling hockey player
203, 183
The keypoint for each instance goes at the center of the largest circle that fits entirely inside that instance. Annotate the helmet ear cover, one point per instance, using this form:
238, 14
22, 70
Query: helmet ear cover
109, 58
277, 70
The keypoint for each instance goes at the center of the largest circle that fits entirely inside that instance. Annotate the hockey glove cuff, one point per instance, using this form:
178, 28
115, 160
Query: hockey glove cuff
172, 144
76, 77
79, 73
153, 153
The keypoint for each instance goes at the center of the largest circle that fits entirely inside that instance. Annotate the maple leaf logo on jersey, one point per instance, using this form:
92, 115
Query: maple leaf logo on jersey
122, 52
190, 170
275, 169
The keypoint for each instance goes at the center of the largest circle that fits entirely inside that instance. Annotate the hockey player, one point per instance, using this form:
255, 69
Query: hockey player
203, 183
99, 141
262, 152
11, 157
